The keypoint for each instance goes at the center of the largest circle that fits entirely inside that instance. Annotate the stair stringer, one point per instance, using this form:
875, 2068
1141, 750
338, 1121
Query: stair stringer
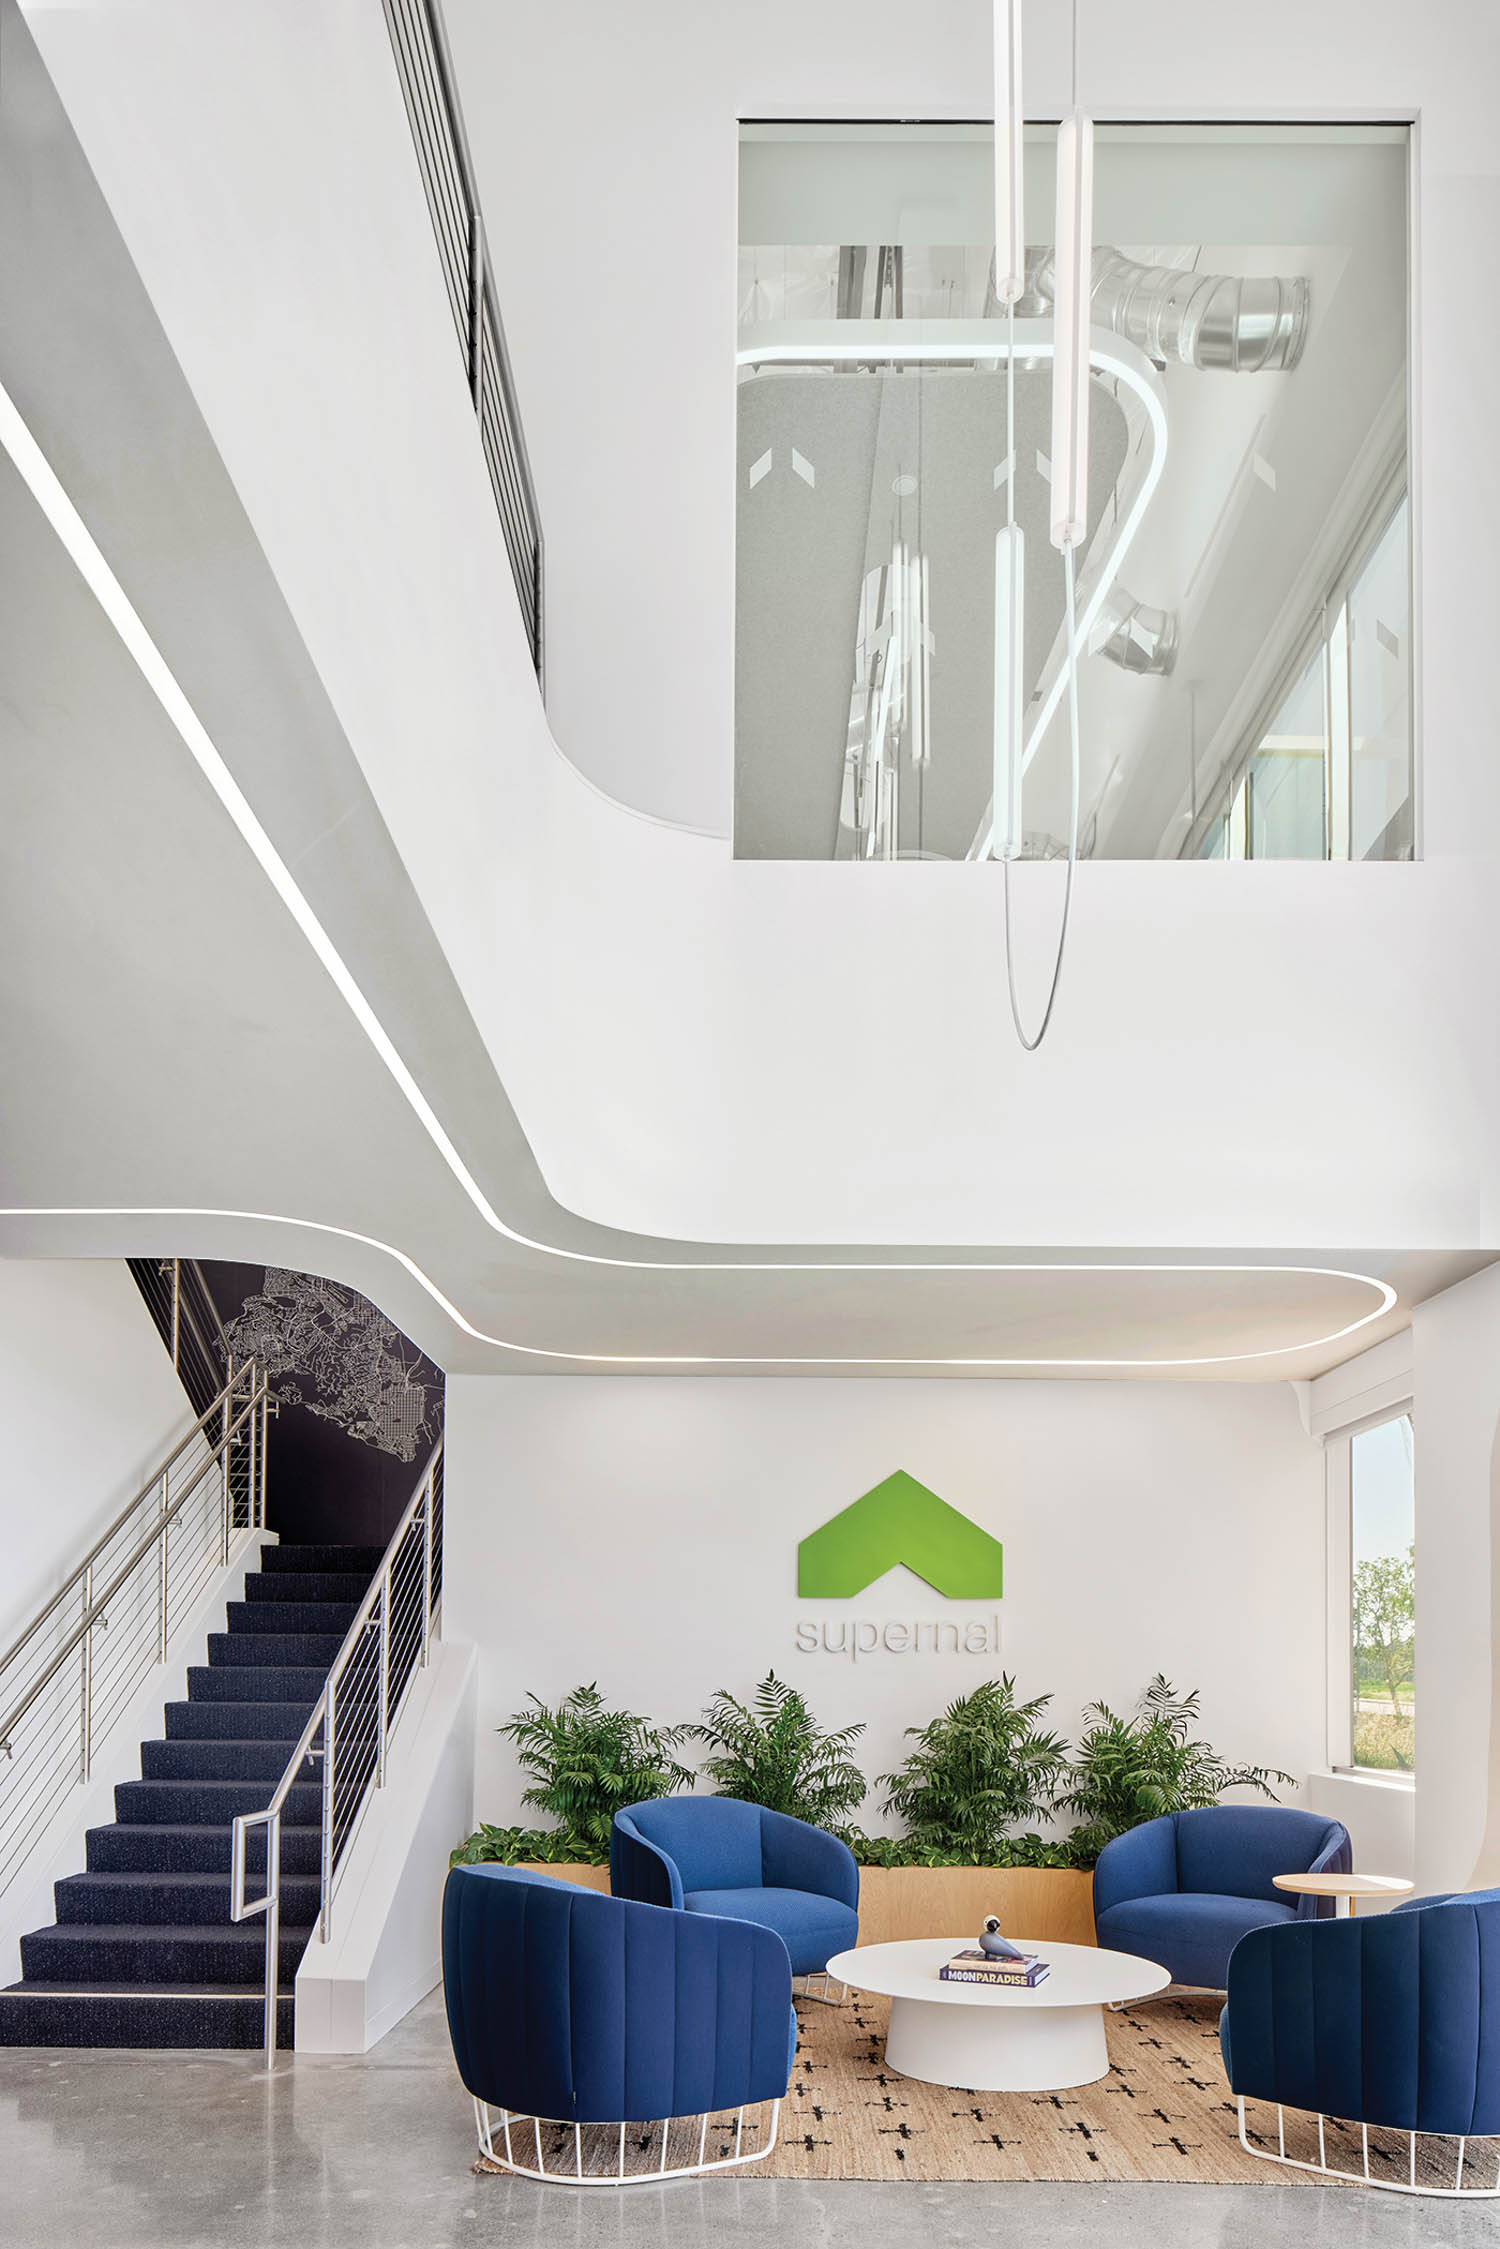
384, 1949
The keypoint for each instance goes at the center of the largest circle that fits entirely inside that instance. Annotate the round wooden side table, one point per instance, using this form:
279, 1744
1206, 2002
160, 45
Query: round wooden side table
1345, 1888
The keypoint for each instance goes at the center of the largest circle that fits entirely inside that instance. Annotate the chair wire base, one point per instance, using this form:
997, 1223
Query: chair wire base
802, 1988
522, 2137
1364, 2176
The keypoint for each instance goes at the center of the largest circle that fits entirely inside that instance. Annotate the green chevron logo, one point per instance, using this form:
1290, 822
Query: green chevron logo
900, 1521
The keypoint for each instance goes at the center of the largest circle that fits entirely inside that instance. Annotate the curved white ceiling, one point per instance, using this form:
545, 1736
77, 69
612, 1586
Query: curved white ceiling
207, 1036
980, 1314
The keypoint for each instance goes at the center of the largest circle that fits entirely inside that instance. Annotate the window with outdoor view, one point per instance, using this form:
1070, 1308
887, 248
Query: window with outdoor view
1382, 1597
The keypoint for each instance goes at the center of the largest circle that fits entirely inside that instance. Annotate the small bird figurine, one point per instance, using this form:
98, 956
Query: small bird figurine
991, 1941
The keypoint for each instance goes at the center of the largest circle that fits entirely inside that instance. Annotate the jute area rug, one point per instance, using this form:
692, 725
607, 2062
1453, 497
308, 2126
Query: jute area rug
1164, 2112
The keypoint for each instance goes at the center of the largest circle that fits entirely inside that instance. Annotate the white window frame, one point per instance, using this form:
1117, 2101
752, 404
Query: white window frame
1388, 1401
1328, 631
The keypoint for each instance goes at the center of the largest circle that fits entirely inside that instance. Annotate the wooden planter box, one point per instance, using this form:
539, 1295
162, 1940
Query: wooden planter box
1048, 1903
1053, 1904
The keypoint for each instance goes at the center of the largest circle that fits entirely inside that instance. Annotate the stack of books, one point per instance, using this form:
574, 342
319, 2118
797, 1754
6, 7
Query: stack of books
1020, 1974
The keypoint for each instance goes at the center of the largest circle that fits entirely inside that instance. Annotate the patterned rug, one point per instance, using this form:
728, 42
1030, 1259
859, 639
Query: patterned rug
1164, 2112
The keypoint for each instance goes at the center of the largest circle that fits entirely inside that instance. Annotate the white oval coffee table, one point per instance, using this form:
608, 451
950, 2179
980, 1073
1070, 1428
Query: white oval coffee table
991, 2039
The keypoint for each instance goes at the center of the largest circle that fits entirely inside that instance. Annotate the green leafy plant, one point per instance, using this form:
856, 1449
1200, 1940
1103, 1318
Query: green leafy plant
980, 1770
1131, 1769
1012, 1850
587, 1760
773, 1752
518, 1846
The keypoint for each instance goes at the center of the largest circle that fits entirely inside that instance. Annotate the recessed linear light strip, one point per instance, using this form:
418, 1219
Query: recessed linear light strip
81, 547
788, 1359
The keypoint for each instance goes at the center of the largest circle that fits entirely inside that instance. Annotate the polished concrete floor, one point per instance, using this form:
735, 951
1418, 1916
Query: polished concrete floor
202, 2151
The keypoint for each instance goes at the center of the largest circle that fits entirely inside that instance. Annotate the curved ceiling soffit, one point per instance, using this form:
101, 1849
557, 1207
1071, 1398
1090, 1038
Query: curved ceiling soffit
87, 558
1385, 1294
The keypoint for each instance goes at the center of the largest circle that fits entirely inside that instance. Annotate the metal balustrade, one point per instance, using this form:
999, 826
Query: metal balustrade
177, 1295
79, 1664
425, 67
352, 1721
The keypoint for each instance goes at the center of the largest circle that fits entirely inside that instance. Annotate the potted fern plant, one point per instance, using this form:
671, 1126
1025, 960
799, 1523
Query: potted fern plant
584, 1761
1130, 1769
974, 1793
772, 1751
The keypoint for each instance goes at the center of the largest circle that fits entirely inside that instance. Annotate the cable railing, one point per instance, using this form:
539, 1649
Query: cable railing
350, 1727
80, 1662
425, 67
178, 1297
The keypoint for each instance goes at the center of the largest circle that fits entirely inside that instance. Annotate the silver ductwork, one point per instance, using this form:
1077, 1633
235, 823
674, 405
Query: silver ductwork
1133, 635
1243, 324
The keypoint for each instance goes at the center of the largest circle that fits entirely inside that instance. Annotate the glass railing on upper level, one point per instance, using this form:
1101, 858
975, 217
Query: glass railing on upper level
1244, 600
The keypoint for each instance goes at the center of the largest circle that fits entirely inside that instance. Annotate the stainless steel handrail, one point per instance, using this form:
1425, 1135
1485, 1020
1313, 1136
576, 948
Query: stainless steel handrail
102, 1600
209, 1413
135, 1586
375, 1606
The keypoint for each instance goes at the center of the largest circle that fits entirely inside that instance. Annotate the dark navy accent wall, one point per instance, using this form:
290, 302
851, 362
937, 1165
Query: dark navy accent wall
359, 1407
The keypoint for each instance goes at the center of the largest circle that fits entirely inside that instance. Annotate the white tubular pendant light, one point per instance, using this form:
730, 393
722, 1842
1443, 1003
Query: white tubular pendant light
1070, 366
1010, 155
1073, 256
1010, 543
1010, 697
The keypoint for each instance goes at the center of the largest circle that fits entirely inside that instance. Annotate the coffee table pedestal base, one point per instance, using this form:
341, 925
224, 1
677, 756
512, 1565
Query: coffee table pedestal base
999, 2049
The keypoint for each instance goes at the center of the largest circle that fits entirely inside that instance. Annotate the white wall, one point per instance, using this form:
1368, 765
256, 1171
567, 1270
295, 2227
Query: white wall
89, 1405
644, 1533
765, 1052
1456, 1420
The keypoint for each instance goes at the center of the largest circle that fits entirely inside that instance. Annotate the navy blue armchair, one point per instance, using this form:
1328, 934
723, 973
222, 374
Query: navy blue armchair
712, 1855
569, 2010
1391, 2021
1183, 1889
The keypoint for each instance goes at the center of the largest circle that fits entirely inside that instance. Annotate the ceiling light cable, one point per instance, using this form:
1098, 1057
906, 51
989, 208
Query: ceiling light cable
1031, 1044
1010, 155
1071, 375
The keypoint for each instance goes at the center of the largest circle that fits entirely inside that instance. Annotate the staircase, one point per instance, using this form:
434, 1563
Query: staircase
143, 1952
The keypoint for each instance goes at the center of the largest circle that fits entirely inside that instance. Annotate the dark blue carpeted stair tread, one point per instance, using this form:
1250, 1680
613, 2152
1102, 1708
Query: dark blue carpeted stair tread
137, 1952
238, 1721
261, 1682
362, 1561
212, 1803
142, 1952
180, 1849
274, 1650
147, 1897
306, 1585
256, 1617
222, 1759
59, 2015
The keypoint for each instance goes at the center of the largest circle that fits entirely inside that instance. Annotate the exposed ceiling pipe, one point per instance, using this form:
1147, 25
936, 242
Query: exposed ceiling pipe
1246, 325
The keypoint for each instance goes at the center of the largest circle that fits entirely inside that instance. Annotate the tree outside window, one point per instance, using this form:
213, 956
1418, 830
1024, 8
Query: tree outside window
1383, 1598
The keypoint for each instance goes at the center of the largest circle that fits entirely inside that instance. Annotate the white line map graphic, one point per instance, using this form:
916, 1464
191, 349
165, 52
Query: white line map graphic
360, 1369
